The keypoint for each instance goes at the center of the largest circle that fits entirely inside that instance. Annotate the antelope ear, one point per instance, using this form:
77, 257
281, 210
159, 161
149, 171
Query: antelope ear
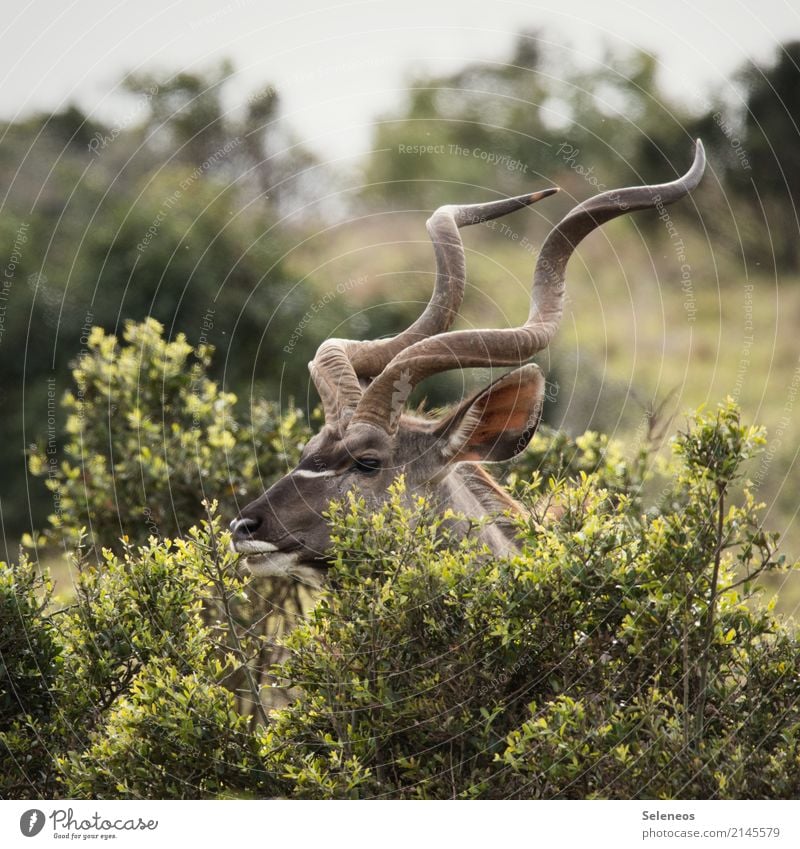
498, 422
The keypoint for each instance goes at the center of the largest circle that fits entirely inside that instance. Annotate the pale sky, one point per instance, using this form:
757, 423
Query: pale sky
338, 66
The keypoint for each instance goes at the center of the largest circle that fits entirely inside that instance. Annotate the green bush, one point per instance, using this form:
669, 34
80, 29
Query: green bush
127, 691
151, 436
170, 735
30, 662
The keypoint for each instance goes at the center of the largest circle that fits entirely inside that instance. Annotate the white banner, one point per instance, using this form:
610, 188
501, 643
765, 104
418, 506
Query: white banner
411, 825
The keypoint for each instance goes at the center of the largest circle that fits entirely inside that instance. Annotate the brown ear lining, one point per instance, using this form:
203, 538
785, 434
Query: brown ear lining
498, 422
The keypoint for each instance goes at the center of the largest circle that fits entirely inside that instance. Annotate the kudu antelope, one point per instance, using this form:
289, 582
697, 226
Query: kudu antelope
367, 439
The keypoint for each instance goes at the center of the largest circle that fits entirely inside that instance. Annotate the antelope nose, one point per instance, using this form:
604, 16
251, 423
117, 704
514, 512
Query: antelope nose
243, 528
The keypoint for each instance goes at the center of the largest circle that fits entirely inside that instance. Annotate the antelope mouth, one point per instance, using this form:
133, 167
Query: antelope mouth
265, 560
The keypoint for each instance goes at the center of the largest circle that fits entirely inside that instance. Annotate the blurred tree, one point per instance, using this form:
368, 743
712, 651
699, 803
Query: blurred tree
765, 166
186, 117
538, 115
186, 110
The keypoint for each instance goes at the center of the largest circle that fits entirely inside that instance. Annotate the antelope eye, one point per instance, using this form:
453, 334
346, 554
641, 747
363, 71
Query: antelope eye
366, 465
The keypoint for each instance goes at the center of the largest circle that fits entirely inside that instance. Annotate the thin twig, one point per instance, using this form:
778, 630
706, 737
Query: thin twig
712, 603
225, 598
686, 667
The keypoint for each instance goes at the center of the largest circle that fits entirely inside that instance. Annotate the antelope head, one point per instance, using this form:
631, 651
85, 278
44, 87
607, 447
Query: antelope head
368, 439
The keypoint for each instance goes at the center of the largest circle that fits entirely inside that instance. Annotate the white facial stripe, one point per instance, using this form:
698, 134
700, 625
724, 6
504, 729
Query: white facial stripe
308, 473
